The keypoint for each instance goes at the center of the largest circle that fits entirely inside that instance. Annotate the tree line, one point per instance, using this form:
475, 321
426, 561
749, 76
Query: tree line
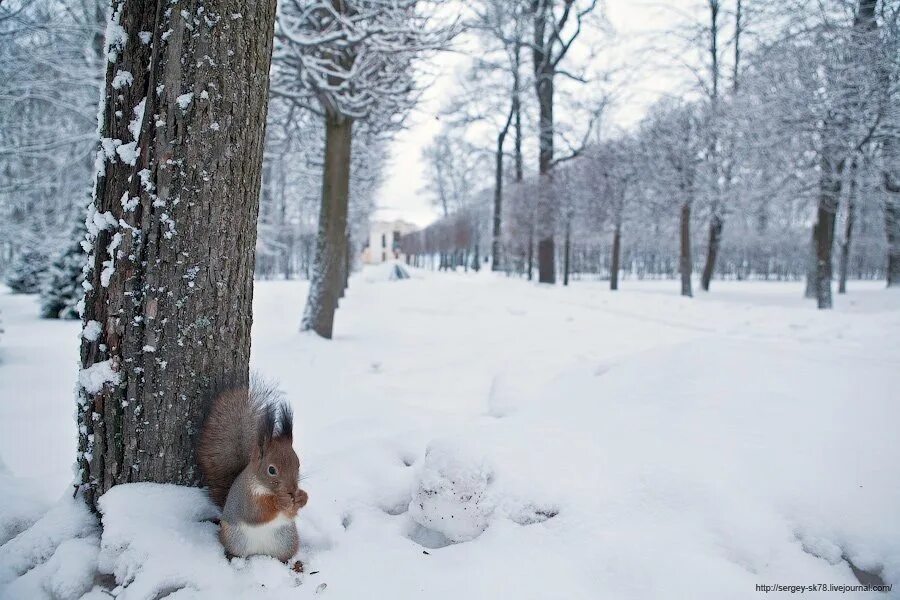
229, 131
779, 160
226, 130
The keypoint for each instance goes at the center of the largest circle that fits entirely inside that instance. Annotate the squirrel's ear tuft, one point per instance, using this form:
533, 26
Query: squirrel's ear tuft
266, 428
286, 427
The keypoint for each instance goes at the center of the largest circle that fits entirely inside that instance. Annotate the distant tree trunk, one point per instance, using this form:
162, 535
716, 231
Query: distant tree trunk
348, 265
616, 252
810, 291
476, 258
567, 254
736, 63
530, 252
829, 194
517, 127
331, 243
891, 178
287, 231
496, 260
685, 266
848, 231
546, 246
173, 231
716, 224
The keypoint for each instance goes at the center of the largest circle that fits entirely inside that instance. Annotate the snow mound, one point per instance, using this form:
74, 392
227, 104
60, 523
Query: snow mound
67, 575
19, 509
158, 539
453, 492
51, 558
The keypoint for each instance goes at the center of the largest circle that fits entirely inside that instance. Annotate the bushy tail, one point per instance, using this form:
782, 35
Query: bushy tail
229, 433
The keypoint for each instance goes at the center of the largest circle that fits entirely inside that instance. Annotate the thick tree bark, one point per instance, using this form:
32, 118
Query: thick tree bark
685, 265
173, 232
616, 254
331, 243
848, 231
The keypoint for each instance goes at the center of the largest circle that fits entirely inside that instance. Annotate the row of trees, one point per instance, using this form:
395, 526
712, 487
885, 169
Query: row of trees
793, 133
343, 76
180, 176
197, 154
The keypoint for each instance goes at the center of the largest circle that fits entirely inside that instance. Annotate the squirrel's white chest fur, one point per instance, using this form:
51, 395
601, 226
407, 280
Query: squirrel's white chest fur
264, 538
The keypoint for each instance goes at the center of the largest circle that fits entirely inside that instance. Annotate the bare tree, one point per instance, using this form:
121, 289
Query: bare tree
673, 144
350, 61
504, 23
556, 25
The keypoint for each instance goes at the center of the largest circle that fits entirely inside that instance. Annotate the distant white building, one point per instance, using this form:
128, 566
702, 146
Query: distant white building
384, 241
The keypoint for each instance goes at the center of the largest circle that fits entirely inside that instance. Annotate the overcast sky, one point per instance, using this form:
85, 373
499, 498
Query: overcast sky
635, 25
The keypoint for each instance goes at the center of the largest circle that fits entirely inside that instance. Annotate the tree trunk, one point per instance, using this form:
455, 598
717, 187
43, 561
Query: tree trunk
716, 223
616, 253
530, 253
736, 63
498, 196
348, 264
810, 291
173, 233
546, 213
331, 243
891, 177
685, 265
848, 231
567, 254
829, 194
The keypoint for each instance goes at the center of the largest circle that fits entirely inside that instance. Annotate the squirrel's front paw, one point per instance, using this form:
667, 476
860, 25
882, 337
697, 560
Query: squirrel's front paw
284, 502
300, 499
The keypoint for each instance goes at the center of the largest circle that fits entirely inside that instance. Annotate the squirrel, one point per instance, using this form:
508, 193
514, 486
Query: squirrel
246, 457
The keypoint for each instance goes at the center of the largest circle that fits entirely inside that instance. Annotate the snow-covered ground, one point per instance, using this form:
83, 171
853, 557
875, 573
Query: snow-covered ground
473, 436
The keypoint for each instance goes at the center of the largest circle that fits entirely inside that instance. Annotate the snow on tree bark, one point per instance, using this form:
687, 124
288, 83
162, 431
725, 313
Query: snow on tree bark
172, 232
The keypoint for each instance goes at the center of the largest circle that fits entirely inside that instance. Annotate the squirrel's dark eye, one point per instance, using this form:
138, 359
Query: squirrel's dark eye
272, 470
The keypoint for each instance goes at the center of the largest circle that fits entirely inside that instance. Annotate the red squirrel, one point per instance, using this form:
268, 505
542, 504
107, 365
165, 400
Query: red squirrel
247, 459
